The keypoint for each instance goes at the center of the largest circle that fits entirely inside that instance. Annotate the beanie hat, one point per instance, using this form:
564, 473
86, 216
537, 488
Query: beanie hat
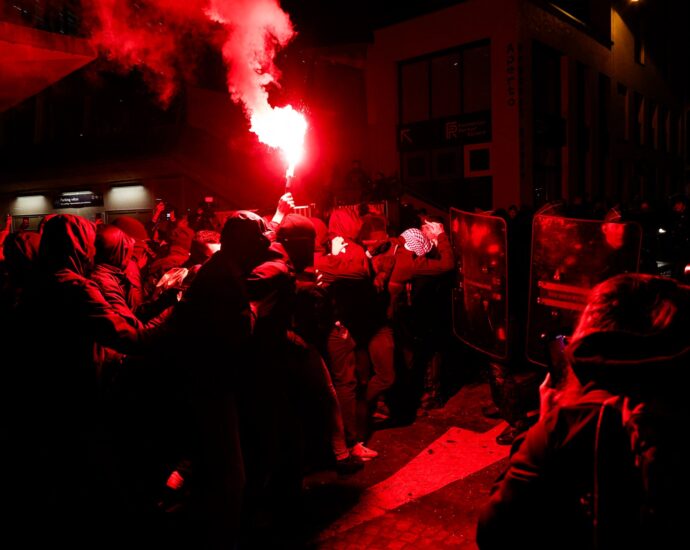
295, 226
416, 241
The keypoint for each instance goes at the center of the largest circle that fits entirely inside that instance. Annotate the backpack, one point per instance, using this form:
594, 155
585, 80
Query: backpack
637, 474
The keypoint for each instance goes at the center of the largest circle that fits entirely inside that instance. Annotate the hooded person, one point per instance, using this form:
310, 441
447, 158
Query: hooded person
61, 400
113, 253
415, 259
245, 236
415, 241
374, 228
4, 232
113, 247
204, 245
114, 250
309, 378
268, 408
210, 329
417, 275
297, 235
177, 279
175, 255
140, 257
345, 223
604, 465
346, 260
360, 345
21, 254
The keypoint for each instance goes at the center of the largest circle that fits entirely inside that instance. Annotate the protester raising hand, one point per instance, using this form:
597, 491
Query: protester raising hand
338, 246
286, 204
432, 230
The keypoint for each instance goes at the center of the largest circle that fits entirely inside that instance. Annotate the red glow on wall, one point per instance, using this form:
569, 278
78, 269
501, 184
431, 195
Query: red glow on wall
161, 38
31, 60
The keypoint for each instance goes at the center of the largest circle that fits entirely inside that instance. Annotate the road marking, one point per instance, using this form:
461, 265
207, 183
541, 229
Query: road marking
455, 455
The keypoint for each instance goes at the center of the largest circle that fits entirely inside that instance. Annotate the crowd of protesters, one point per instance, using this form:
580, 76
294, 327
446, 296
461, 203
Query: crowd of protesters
206, 365
203, 365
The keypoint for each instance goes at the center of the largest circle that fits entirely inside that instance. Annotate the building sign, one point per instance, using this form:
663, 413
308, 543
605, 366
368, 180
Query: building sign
444, 132
78, 199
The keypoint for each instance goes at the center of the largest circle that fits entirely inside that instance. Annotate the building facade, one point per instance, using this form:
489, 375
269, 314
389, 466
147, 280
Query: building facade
489, 103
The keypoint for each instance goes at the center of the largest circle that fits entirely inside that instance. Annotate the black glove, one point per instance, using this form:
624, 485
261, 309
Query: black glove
380, 248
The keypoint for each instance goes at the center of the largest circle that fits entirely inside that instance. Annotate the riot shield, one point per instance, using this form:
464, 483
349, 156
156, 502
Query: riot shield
569, 257
480, 299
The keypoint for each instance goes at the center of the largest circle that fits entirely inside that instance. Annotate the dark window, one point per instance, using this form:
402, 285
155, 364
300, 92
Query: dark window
415, 91
446, 71
446, 164
476, 80
479, 160
416, 166
445, 103
599, 187
549, 125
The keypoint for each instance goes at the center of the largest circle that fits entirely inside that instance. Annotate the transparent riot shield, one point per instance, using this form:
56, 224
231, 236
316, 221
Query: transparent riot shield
480, 299
569, 257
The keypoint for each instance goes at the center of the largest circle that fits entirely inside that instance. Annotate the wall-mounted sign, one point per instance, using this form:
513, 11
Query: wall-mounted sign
444, 132
78, 199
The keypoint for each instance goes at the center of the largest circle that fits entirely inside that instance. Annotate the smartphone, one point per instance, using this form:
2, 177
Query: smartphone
556, 361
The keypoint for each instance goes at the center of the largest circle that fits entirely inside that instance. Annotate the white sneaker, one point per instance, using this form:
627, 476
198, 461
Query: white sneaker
360, 451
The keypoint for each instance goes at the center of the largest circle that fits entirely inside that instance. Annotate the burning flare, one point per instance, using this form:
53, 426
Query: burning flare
282, 128
157, 36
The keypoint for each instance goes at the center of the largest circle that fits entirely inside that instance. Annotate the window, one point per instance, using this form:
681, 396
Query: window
548, 122
446, 84
415, 92
477, 80
446, 71
445, 104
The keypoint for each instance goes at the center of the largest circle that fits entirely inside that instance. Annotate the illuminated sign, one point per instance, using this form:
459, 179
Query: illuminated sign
78, 199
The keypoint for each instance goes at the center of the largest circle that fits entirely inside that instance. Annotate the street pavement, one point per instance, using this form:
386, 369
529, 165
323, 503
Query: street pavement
424, 490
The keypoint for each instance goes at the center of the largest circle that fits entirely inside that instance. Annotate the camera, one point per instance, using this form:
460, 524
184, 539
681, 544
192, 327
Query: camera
205, 216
